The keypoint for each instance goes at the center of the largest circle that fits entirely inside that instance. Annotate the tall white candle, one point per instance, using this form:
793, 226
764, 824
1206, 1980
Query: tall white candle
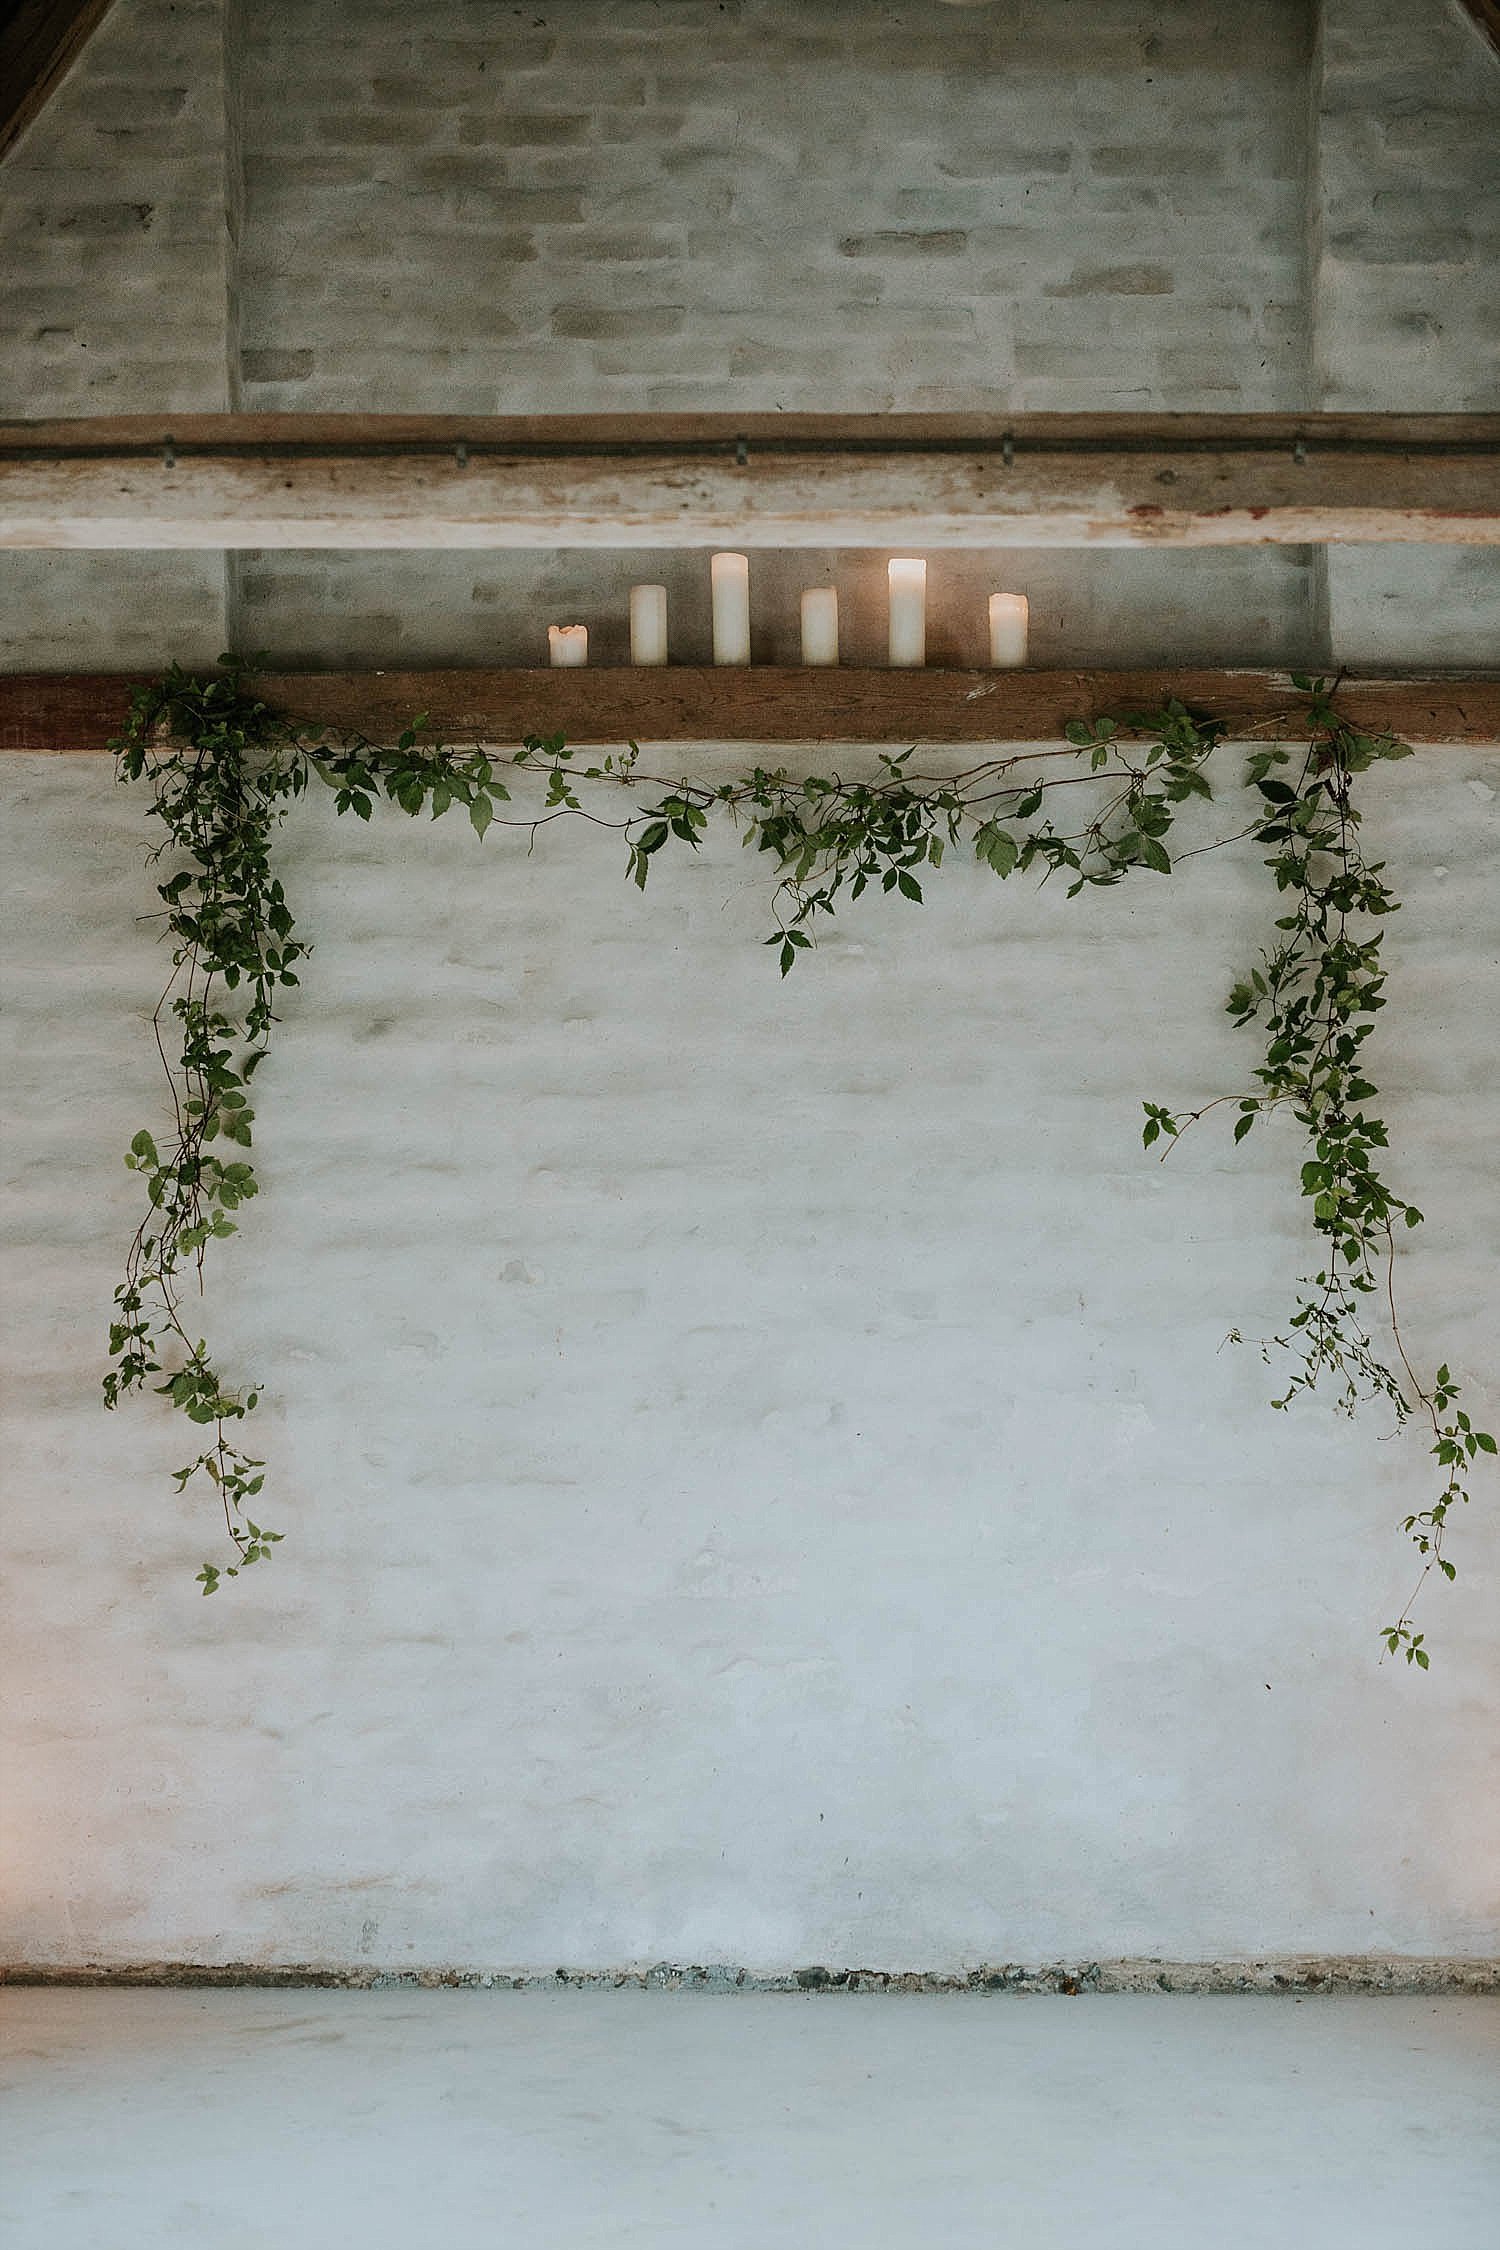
908, 582
730, 578
568, 644
648, 624
1009, 617
820, 625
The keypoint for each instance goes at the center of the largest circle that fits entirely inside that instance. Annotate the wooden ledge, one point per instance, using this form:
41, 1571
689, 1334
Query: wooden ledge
79, 712
907, 481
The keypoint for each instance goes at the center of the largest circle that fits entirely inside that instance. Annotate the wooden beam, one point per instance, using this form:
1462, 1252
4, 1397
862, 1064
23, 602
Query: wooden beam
40, 40
68, 712
1486, 14
921, 481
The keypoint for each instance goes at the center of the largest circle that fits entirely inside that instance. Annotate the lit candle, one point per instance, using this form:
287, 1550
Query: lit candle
820, 625
908, 577
730, 578
648, 624
568, 644
1009, 615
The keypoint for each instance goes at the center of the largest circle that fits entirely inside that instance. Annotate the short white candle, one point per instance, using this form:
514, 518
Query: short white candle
568, 644
820, 625
730, 578
648, 624
908, 581
1009, 617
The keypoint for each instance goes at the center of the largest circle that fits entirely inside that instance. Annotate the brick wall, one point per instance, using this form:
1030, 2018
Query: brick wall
114, 236
761, 1477
769, 204
1406, 295
775, 205
612, 204
116, 289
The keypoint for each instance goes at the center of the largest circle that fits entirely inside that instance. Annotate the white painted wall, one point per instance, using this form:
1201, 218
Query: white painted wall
760, 1473
760, 1477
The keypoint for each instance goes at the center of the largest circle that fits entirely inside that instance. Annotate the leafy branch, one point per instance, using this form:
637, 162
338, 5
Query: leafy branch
1315, 995
224, 769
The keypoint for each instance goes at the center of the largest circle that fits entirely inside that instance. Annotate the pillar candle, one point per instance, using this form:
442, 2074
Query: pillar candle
820, 625
1009, 616
648, 624
908, 581
730, 578
568, 644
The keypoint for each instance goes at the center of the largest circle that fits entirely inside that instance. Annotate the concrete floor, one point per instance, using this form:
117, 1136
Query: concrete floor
395, 2120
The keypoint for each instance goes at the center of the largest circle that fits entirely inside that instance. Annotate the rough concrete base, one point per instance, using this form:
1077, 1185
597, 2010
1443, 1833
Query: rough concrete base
1322, 1973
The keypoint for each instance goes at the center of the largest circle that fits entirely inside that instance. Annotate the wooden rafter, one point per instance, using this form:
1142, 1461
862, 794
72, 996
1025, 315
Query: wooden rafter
1486, 13
40, 40
789, 480
604, 705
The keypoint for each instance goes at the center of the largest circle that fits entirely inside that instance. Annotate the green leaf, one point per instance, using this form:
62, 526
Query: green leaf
997, 848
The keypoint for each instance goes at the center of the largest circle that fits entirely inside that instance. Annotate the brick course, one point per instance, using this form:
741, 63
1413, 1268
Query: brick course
762, 205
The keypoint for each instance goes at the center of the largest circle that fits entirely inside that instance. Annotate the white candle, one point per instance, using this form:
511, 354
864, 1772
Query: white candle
1009, 616
820, 625
568, 644
648, 624
730, 578
908, 580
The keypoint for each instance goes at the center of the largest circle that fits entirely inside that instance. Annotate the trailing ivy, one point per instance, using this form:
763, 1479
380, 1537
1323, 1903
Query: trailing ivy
224, 770
1315, 996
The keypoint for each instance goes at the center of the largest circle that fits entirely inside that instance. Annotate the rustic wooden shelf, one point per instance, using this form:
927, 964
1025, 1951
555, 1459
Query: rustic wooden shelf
78, 712
908, 481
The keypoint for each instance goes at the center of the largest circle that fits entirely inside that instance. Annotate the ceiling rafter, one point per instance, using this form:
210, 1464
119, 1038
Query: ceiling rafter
1486, 14
790, 480
40, 40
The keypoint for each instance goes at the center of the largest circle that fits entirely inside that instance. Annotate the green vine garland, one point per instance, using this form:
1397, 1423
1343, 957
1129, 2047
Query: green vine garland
224, 769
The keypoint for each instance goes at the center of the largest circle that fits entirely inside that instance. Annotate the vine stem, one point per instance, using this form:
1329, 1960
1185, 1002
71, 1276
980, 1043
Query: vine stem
1318, 995
224, 768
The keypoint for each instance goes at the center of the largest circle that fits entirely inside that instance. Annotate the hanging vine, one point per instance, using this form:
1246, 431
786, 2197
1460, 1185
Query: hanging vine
224, 769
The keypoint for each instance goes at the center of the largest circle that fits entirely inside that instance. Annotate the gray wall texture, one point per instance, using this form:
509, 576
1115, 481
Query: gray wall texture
761, 1479
655, 203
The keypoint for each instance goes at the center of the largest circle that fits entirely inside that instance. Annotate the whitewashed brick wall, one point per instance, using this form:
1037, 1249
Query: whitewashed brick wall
765, 204
1406, 296
760, 1474
616, 204
775, 205
117, 296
